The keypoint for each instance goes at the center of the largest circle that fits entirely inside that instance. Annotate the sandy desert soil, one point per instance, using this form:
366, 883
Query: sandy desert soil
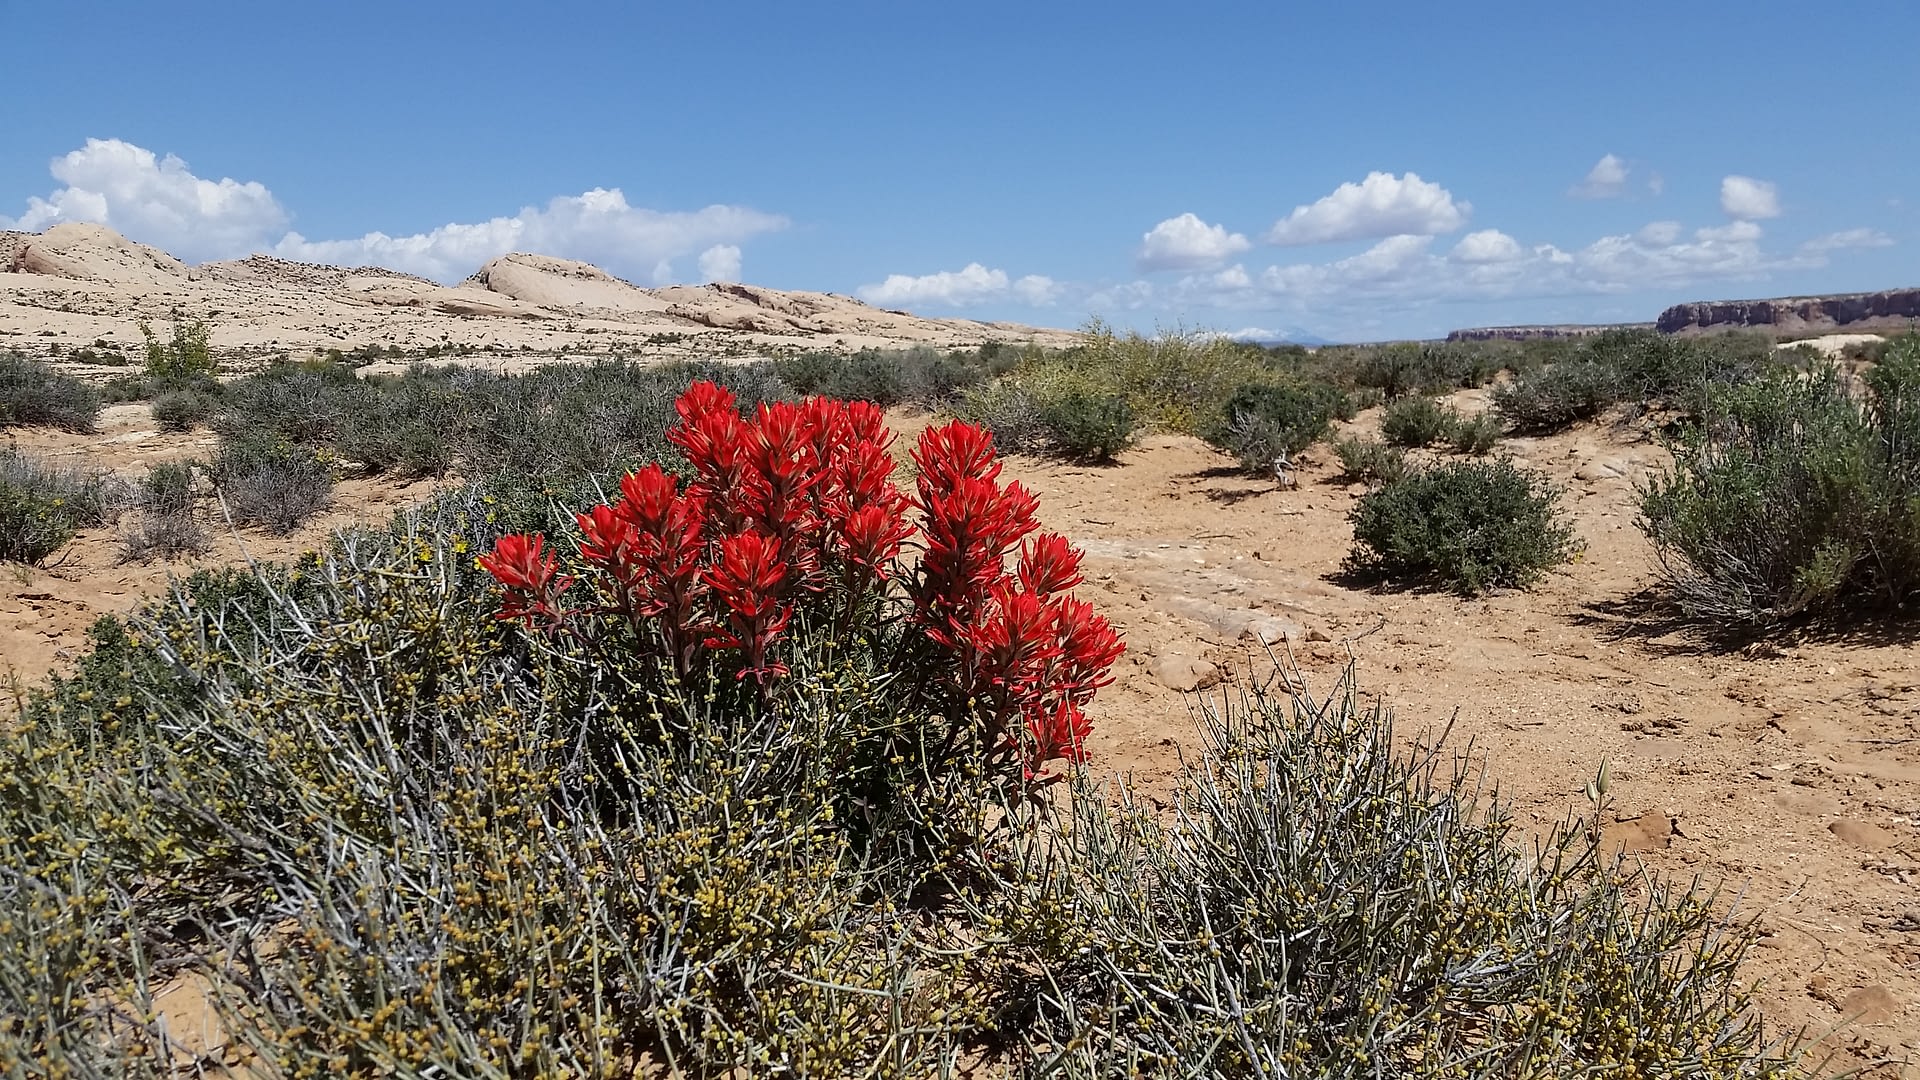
1790, 771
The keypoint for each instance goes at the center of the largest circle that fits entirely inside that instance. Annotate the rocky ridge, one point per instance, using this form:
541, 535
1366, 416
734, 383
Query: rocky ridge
76, 284
1887, 309
1544, 331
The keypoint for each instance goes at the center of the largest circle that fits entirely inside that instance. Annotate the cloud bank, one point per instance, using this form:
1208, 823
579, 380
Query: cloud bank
159, 201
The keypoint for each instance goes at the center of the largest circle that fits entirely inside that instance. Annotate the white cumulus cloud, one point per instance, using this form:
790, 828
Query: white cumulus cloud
1748, 199
1606, 179
1487, 246
1188, 243
158, 200
965, 287
1848, 238
597, 226
721, 262
1380, 205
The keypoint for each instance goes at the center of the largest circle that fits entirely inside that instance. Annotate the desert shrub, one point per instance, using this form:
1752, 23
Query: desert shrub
920, 376
1476, 435
1088, 425
270, 481
1011, 412
186, 357
183, 410
1324, 900
1557, 396
1416, 421
1796, 496
1260, 423
32, 394
1641, 367
1469, 526
1174, 380
42, 505
1403, 368
125, 387
163, 526
299, 402
1370, 460
408, 425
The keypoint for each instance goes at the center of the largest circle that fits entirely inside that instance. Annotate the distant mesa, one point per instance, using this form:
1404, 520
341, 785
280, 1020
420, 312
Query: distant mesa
1885, 310
1541, 332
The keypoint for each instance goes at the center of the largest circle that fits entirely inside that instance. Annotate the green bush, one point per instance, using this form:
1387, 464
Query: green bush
1468, 526
1475, 436
1795, 497
1558, 396
1370, 461
301, 402
1083, 424
1640, 367
1417, 421
1262, 423
32, 394
184, 358
43, 505
271, 482
183, 410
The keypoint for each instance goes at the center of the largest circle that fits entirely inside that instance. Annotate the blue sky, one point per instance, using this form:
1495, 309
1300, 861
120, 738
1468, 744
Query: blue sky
1354, 171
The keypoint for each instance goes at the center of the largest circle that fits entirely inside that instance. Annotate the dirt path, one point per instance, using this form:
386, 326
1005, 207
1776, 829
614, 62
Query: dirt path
1790, 772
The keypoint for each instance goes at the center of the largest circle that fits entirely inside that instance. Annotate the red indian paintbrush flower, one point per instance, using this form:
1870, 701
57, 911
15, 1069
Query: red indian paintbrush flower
529, 573
750, 579
1048, 565
1059, 732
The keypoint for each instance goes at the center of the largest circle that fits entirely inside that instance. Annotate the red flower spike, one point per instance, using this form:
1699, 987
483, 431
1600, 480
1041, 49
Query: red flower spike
871, 536
1089, 646
705, 398
647, 497
750, 579
1048, 565
1060, 732
529, 574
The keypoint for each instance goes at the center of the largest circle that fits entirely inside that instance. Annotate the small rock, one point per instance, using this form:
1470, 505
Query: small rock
1864, 834
1651, 831
1275, 629
1871, 1005
1178, 671
1356, 489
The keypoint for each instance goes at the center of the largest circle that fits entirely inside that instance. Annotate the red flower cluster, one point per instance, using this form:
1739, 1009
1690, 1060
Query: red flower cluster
797, 505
